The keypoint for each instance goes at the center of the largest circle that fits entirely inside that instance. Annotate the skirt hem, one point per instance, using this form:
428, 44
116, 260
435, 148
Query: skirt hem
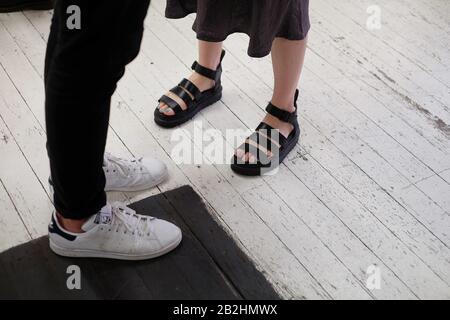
251, 52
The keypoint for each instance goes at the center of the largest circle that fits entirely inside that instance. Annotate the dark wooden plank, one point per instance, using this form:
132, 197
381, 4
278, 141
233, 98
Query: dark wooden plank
8, 288
191, 263
196, 270
251, 283
32, 274
101, 278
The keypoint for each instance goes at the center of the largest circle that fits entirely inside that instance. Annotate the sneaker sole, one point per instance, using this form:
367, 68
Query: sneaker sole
74, 253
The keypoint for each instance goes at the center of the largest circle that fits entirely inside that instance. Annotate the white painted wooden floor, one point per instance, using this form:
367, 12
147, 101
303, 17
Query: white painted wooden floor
368, 185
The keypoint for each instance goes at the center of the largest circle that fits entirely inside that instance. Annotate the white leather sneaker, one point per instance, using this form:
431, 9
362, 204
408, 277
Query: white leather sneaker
134, 174
116, 232
130, 175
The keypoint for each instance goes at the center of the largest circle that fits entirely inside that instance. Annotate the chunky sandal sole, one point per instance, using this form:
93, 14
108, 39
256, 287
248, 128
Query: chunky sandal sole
191, 112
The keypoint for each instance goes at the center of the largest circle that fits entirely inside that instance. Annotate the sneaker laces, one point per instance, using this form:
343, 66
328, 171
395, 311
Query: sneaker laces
122, 165
130, 220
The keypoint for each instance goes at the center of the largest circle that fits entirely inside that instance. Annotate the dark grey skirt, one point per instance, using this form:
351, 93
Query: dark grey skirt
262, 20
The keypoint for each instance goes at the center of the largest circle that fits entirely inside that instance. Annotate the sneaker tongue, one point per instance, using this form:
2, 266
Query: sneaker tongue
104, 216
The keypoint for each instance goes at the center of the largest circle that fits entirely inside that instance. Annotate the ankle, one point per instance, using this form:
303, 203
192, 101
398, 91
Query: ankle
210, 62
74, 226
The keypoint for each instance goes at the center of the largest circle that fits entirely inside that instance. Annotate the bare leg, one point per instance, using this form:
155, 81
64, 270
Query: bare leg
287, 59
208, 56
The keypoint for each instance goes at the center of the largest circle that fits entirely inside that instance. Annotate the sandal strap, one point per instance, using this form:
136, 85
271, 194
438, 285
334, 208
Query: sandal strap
267, 132
282, 115
191, 88
270, 130
263, 143
180, 91
183, 95
209, 73
261, 156
171, 103
206, 72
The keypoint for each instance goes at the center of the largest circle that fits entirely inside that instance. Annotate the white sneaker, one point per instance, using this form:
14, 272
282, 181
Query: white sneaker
132, 175
116, 232
129, 175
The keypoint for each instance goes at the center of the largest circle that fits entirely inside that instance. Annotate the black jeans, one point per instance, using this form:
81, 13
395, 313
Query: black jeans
82, 69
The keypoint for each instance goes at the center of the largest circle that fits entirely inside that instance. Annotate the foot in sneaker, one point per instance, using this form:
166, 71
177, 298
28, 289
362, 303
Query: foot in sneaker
116, 232
130, 175
134, 174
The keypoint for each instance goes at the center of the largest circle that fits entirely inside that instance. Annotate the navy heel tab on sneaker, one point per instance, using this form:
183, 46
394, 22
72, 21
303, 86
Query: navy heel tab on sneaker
53, 227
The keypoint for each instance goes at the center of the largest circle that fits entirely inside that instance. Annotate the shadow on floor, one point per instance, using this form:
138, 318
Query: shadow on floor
207, 265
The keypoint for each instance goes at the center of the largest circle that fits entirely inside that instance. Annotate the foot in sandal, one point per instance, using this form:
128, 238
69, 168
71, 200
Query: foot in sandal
190, 96
269, 145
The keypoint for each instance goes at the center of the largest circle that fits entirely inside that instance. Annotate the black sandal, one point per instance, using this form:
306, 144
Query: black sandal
265, 146
194, 99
